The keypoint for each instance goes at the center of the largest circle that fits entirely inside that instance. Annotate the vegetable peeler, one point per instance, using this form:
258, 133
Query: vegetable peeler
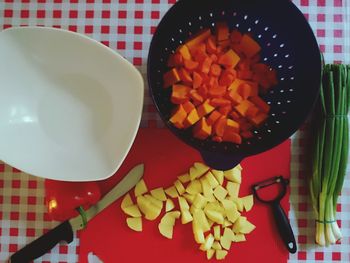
283, 225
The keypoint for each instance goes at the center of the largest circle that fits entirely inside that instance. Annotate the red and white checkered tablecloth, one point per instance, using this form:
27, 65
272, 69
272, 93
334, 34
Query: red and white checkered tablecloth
127, 27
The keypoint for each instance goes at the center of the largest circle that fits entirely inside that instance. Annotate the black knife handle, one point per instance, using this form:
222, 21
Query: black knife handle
43, 244
284, 227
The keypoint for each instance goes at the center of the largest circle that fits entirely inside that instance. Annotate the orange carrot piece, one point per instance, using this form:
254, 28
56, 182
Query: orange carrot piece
229, 59
260, 68
205, 65
185, 76
217, 102
217, 91
232, 125
255, 59
215, 70
175, 60
190, 65
235, 37
244, 125
211, 45
178, 116
252, 112
214, 57
260, 103
249, 46
219, 126
272, 77
232, 137
198, 38
197, 80
202, 129
184, 51
213, 117
191, 119
245, 74
199, 50
227, 77
247, 134
234, 115
259, 118
235, 97
243, 107
245, 90
205, 108
224, 44
225, 110
222, 31
213, 82
188, 106
171, 77
217, 139
180, 93
197, 99
203, 90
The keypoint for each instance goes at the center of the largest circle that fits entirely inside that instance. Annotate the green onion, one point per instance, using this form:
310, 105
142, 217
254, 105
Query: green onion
330, 151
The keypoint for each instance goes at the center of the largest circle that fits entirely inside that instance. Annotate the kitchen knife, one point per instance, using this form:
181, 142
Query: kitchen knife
64, 231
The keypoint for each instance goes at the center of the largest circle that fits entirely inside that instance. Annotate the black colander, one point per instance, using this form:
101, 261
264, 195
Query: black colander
288, 45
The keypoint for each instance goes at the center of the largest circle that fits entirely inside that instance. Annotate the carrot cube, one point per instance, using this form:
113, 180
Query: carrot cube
198, 38
197, 80
260, 103
185, 52
229, 59
259, 119
205, 108
243, 107
178, 116
220, 126
188, 106
213, 117
190, 64
249, 46
233, 126
185, 76
202, 129
180, 93
170, 78
230, 136
191, 119
175, 60
222, 31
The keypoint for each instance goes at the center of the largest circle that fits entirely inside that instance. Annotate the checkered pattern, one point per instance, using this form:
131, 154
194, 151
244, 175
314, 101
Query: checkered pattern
127, 27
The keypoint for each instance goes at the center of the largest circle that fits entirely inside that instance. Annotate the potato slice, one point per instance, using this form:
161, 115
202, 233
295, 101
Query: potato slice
242, 225
232, 214
183, 203
197, 170
233, 175
200, 201
209, 240
225, 241
169, 205
215, 206
140, 188
194, 187
217, 232
159, 194
248, 202
220, 193
186, 216
135, 223
179, 187
197, 233
166, 230
133, 211
207, 190
239, 237
216, 245
201, 167
172, 192
238, 202
227, 223
211, 179
185, 178
247, 227
232, 189
210, 253
150, 210
215, 216
127, 201
170, 218
220, 254
219, 175
201, 220
154, 201
189, 198
228, 204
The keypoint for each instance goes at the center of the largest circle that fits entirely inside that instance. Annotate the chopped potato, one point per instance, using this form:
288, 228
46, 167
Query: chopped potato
172, 192
166, 230
126, 202
232, 214
169, 205
189, 198
220, 193
210, 253
197, 233
242, 225
159, 194
150, 210
220, 254
179, 187
209, 240
186, 216
201, 167
217, 232
201, 220
219, 175
228, 204
232, 189
239, 237
227, 238
200, 201
227, 223
207, 190
238, 202
185, 178
133, 211
233, 175
197, 170
154, 201
183, 203
194, 187
170, 218
211, 179
135, 223
215, 216
216, 245
248, 202
247, 227
140, 188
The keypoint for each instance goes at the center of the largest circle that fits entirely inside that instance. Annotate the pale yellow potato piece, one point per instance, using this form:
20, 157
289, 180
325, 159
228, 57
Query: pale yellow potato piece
220, 254
189, 198
238, 202
240, 225
154, 201
216, 245
227, 238
133, 211
210, 253
233, 189
219, 175
201, 220
169, 205
217, 232
172, 192
232, 214
207, 190
233, 175
239, 167
150, 210
184, 178
227, 223
211, 179
247, 227
211, 223
186, 216
197, 233
248, 202
209, 240
179, 187
135, 223
197, 170
215, 216
228, 204
140, 188
193, 209
159, 194
201, 166
166, 230
170, 218
200, 201
215, 206
183, 203
194, 187
127, 201
239, 237
229, 234
220, 193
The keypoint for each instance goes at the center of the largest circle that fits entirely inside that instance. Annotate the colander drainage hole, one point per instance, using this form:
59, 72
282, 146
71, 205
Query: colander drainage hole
282, 45
277, 122
266, 28
278, 103
259, 36
280, 66
189, 23
282, 78
268, 130
211, 14
200, 18
281, 90
256, 21
275, 55
291, 90
290, 67
237, 25
245, 17
286, 56
249, 29
274, 36
291, 78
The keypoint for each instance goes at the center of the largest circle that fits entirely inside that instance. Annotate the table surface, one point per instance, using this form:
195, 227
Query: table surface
127, 26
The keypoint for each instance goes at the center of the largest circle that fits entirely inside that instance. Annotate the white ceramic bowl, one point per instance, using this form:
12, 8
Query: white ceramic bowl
70, 107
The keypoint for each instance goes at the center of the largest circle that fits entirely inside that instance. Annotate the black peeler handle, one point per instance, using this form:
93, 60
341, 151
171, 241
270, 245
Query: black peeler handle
284, 227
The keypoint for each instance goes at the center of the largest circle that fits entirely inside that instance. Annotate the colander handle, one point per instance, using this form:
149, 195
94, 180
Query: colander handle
221, 161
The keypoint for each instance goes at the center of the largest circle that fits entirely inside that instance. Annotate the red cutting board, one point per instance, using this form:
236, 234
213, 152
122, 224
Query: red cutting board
165, 157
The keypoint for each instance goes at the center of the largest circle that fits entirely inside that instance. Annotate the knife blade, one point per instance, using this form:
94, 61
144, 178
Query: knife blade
65, 231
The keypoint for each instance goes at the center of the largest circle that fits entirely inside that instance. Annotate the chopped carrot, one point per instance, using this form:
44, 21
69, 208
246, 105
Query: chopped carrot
190, 65
205, 108
199, 50
235, 97
243, 107
217, 91
232, 137
180, 93
211, 45
222, 31
252, 112
191, 119
205, 77
224, 44
227, 77
213, 82
185, 76
197, 80
203, 90
215, 70
260, 103
219, 126
255, 59
217, 138
260, 68
232, 125
198, 38
178, 116
247, 134
249, 46
188, 106
245, 90
234, 115
259, 119
185, 52
225, 110
235, 37
272, 77
171, 77
213, 117
244, 64
244, 74
217, 102
175, 60
202, 129
244, 125
229, 59
205, 65
214, 57
197, 99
